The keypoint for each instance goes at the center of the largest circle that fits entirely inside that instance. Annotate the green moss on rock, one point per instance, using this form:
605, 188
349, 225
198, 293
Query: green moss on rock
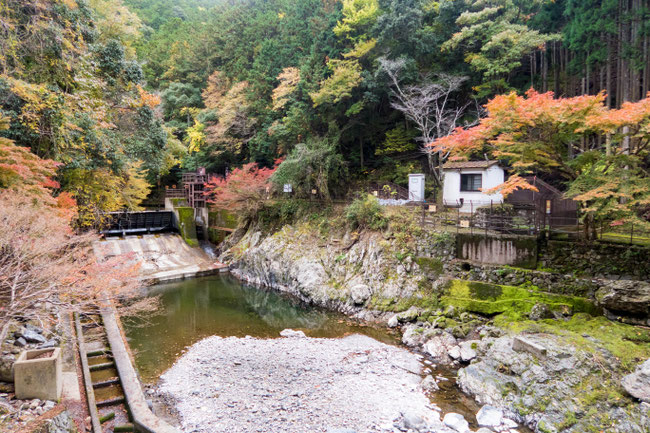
187, 226
516, 302
430, 265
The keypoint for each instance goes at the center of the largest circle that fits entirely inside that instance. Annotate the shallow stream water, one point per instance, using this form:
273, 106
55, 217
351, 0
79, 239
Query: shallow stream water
222, 305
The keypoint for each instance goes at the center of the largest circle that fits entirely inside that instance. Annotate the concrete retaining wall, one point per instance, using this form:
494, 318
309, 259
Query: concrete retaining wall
514, 251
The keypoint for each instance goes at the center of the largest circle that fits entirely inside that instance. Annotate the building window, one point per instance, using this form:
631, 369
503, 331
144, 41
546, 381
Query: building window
471, 182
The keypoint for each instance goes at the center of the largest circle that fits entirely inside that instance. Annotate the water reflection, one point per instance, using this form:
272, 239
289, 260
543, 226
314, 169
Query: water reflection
221, 305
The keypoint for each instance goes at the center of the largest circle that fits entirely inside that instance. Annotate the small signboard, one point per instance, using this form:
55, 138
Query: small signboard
287, 187
433, 208
464, 223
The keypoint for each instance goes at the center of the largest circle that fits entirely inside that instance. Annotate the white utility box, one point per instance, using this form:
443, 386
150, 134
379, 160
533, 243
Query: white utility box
416, 187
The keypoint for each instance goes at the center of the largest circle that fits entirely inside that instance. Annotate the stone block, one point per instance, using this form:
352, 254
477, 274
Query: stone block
521, 344
36, 377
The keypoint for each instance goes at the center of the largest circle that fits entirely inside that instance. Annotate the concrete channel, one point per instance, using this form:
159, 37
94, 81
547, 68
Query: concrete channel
116, 402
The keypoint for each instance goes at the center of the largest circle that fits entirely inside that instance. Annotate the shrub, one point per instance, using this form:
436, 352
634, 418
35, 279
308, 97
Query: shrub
313, 164
366, 213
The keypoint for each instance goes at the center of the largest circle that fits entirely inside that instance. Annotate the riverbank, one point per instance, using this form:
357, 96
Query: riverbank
412, 282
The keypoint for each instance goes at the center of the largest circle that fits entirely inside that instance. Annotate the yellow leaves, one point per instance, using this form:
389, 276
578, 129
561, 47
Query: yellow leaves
100, 190
217, 86
36, 100
195, 138
289, 79
361, 48
116, 21
358, 16
231, 109
346, 76
70, 4
135, 187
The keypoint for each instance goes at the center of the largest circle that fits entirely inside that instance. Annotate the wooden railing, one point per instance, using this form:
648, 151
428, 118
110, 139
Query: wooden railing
388, 190
175, 193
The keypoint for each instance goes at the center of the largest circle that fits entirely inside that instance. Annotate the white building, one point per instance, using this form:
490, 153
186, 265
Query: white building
463, 182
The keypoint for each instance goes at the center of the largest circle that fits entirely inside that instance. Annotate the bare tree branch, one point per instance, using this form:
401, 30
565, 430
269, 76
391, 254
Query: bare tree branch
430, 105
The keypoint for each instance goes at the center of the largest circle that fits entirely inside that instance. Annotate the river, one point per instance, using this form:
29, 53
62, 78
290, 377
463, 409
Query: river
221, 305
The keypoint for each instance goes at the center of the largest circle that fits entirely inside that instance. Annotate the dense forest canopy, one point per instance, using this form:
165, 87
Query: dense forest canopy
126, 94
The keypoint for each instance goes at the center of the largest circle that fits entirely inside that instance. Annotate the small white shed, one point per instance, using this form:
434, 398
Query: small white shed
464, 180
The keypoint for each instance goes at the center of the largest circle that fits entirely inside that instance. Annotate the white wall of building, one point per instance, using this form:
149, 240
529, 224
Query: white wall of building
491, 177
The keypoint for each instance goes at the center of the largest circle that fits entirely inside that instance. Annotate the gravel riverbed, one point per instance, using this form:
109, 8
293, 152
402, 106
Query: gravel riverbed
298, 384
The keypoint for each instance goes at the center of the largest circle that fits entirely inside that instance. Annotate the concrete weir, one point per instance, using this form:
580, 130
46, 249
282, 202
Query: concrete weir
162, 257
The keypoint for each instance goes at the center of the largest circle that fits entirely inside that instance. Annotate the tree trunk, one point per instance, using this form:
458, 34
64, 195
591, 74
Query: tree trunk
609, 71
545, 69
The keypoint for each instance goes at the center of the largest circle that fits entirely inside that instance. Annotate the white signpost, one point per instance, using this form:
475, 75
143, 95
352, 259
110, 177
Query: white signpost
287, 187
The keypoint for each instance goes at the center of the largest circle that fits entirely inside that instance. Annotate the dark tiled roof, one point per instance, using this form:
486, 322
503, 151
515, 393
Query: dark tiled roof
470, 164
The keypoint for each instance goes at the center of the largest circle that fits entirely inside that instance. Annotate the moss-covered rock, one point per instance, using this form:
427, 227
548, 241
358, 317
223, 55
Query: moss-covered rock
516, 302
432, 267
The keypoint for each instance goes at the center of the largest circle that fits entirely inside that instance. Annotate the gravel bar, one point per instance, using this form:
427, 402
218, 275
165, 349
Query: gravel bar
296, 384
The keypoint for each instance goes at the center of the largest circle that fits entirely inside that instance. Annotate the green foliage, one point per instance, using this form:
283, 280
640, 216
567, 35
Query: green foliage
72, 91
398, 140
366, 213
358, 17
496, 38
315, 164
346, 76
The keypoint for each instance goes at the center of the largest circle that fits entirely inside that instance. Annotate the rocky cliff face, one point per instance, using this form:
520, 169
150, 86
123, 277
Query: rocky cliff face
357, 274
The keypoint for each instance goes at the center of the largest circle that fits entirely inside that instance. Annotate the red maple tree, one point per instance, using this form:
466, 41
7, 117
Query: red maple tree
244, 190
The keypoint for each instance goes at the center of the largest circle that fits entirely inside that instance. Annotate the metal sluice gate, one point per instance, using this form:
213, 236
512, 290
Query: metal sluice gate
124, 223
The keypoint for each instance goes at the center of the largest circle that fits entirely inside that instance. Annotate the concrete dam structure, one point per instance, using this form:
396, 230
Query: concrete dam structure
162, 257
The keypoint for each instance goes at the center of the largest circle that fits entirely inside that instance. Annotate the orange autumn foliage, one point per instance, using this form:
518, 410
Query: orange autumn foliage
531, 132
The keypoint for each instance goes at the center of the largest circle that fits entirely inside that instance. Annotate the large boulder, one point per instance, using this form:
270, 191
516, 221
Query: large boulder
626, 298
457, 422
7, 367
360, 293
489, 416
539, 390
439, 346
637, 384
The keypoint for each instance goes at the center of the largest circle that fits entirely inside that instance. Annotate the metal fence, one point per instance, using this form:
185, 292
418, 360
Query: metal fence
494, 220
485, 220
562, 228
